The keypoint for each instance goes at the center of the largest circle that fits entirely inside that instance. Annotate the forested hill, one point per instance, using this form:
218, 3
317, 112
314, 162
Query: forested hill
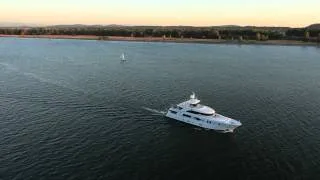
310, 33
314, 27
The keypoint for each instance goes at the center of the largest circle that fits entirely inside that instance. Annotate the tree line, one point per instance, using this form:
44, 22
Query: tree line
227, 33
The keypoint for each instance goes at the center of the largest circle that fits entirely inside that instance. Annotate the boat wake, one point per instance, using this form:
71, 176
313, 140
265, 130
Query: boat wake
154, 111
8, 67
12, 68
198, 129
53, 82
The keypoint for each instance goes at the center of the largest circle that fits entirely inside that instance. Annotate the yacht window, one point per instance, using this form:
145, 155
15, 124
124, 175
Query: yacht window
180, 108
174, 112
194, 112
186, 115
198, 119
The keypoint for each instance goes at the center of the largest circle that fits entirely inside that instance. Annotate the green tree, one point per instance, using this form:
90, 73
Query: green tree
264, 37
258, 36
307, 35
217, 34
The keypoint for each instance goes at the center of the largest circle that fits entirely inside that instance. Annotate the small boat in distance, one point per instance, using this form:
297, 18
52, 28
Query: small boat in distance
122, 58
192, 112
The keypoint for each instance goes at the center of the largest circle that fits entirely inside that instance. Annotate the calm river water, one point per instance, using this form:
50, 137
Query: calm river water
70, 110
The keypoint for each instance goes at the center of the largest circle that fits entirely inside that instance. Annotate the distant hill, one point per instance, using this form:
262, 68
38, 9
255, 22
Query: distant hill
314, 27
72, 26
219, 27
228, 26
84, 26
16, 24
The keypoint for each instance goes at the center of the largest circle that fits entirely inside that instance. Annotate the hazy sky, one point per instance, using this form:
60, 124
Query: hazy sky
295, 13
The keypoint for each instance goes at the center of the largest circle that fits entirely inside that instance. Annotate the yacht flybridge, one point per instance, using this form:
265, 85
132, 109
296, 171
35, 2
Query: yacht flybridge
192, 112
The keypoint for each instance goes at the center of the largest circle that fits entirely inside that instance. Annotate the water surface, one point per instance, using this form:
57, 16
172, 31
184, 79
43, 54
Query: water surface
70, 110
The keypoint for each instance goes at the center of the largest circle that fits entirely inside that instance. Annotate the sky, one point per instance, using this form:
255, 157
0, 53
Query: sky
293, 13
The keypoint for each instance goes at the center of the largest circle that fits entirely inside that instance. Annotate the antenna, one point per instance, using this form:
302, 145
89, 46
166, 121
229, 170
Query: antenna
193, 95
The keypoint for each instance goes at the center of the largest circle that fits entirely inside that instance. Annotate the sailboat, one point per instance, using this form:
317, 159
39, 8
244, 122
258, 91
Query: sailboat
122, 57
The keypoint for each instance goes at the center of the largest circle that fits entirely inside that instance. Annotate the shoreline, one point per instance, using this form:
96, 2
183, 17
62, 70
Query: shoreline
172, 40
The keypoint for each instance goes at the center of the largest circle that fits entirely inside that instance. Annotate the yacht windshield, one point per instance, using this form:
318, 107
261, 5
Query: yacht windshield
196, 105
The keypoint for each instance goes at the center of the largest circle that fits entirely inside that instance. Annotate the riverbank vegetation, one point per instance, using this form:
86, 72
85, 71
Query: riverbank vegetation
308, 34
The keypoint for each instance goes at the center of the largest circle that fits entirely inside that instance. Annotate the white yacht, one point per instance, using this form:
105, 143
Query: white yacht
192, 112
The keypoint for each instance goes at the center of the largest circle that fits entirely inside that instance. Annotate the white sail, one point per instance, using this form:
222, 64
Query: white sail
122, 57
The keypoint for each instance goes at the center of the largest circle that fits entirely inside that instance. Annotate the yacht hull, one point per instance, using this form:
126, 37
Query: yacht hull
217, 122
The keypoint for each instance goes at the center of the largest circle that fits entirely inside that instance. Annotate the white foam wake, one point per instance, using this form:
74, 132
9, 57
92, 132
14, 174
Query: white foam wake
155, 111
